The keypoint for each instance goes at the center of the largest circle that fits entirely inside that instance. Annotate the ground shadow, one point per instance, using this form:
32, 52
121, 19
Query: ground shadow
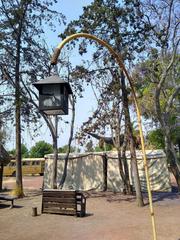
111, 196
89, 214
38, 215
2, 205
163, 196
120, 197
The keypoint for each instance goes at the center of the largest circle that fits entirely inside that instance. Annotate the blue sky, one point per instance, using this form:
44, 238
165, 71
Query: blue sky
72, 10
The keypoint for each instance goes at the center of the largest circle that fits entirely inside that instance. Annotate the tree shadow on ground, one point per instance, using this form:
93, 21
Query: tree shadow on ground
161, 197
120, 197
111, 196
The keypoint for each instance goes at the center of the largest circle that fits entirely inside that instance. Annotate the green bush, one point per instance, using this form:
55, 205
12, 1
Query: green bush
40, 149
155, 139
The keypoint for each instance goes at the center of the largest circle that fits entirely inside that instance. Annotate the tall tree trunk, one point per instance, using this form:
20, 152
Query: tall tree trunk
135, 172
137, 184
105, 166
164, 120
117, 143
1, 175
19, 183
125, 164
55, 150
63, 178
171, 159
121, 171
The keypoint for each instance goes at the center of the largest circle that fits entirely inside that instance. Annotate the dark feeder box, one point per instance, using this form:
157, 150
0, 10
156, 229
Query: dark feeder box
53, 95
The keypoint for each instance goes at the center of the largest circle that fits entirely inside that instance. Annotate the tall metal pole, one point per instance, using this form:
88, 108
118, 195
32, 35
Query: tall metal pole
119, 60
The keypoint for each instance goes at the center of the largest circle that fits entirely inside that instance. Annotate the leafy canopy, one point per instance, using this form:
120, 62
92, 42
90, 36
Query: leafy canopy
40, 149
24, 151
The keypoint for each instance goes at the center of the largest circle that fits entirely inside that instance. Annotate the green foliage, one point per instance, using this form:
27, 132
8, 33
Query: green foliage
65, 148
40, 149
175, 136
107, 147
12, 152
147, 75
24, 151
156, 139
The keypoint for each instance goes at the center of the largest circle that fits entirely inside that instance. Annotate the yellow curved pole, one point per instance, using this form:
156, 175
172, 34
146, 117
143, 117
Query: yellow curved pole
119, 60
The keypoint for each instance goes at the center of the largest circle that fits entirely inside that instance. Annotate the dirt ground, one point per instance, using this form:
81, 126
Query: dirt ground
109, 216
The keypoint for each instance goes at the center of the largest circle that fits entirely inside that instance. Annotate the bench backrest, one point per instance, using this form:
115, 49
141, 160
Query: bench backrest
57, 201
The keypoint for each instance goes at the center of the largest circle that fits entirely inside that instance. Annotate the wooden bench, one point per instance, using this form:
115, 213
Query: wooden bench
63, 202
8, 198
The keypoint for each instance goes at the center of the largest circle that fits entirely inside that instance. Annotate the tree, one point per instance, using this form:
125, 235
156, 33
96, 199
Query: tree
4, 156
176, 139
158, 76
131, 142
109, 113
40, 149
24, 151
21, 52
103, 147
155, 139
65, 148
119, 26
112, 21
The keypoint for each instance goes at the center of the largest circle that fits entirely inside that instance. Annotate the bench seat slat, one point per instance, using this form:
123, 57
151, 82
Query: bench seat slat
59, 200
60, 205
59, 194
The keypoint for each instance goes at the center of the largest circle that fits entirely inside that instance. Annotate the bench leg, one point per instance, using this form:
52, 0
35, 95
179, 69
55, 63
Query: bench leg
83, 210
12, 204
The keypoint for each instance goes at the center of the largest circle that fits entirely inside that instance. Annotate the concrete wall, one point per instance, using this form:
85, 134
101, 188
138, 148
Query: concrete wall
86, 172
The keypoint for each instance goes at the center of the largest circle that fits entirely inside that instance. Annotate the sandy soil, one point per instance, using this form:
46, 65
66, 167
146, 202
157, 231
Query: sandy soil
109, 216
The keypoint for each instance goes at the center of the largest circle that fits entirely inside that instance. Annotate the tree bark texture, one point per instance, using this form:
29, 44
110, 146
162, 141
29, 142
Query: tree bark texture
105, 166
63, 178
125, 165
121, 171
136, 179
171, 159
1, 175
118, 144
19, 183
55, 150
